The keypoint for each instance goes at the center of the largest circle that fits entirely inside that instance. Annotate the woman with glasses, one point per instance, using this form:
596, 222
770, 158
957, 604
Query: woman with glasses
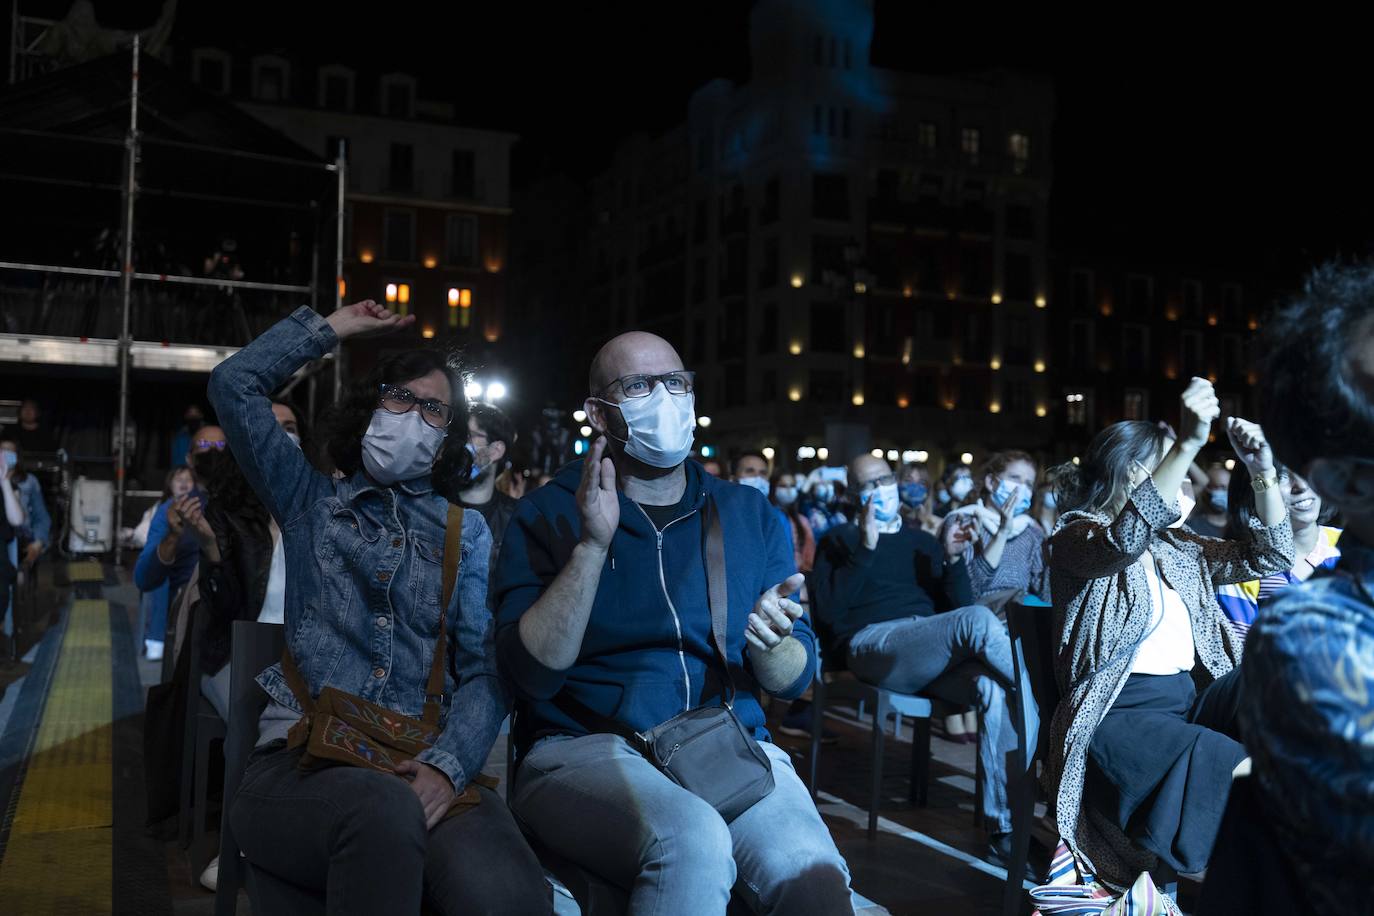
364, 558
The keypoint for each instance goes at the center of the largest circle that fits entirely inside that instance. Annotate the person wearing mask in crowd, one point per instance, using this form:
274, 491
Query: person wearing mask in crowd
898, 607
11, 521
364, 567
787, 498
822, 499
491, 435
1209, 518
175, 536
914, 489
751, 470
1308, 696
192, 419
31, 434
178, 482
956, 483
38, 528
1044, 506
1009, 554
605, 628
1314, 544
1140, 762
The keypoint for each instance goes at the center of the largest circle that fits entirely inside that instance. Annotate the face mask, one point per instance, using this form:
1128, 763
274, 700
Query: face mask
755, 483
11, 459
295, 439
660, 427
942, 495
476, 470
785, 496
886, 502
1219, 499
1049, 501
823, 492
913, 494
399, 446
961, 487
1004, 491
1185, 509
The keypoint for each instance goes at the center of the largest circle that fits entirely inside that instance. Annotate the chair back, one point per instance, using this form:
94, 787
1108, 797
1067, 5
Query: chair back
1031, 628
253, 647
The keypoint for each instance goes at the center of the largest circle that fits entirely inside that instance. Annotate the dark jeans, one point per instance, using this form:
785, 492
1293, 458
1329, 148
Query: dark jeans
358, 838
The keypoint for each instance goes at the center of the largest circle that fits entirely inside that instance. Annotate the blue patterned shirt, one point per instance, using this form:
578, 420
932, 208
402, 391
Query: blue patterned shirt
1308, 720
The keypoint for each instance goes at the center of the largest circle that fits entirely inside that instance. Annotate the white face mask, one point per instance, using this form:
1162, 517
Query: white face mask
961, 487
399, 446
295, 439
785, 496
888, 503
660, 426
757, 483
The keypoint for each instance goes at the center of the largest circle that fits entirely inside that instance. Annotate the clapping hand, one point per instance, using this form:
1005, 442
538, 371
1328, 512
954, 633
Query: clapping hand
773, 615
598, 501
957, 534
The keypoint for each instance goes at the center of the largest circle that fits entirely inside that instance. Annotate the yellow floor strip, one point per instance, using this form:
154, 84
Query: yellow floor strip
59, 855
85, 571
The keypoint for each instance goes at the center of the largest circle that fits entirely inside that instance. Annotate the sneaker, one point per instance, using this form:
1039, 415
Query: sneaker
797, 723
209, 879
153, 649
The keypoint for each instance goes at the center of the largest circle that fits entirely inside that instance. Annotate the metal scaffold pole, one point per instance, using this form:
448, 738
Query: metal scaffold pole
126, 283
341, 168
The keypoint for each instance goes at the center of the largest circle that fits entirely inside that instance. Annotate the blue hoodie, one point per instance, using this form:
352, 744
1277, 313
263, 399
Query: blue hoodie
633, 666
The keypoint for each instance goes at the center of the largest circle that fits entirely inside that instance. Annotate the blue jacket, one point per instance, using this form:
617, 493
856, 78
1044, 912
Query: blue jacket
39, 526
150, 572
363, 565
633, 665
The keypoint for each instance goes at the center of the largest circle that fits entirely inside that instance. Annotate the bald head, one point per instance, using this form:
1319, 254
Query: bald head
631, 353
866, 468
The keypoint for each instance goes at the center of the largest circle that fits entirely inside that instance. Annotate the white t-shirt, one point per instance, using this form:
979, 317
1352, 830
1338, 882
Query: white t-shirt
274, 602
1168, 649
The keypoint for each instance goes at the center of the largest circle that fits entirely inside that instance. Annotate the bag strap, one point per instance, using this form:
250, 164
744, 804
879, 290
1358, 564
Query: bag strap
434, 689
717, 593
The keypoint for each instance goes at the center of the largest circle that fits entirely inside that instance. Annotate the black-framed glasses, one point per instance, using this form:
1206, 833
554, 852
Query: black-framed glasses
680, 381
401, 400
207, 444
886, 480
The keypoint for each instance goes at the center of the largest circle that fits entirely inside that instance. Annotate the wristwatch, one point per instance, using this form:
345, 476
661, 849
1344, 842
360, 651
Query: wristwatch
1260, 484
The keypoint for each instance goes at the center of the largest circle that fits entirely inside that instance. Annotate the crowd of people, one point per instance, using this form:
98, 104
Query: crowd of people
1209, 624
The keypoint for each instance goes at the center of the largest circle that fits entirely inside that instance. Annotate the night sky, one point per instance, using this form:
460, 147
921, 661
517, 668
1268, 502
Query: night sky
1177, 142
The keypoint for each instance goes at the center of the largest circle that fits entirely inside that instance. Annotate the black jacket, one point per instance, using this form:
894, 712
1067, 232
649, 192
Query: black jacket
234, 588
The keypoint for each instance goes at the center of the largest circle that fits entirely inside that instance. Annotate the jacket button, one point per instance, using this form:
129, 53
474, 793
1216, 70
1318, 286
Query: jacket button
383, 576
395, 542
379, 672
381, 621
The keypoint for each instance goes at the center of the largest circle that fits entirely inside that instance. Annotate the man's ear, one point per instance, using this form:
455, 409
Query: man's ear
596, 419
1347, 485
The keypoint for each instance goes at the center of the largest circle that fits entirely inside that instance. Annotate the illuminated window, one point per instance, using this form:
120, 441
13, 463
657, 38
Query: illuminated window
1136, 405
969, 139
1018, 147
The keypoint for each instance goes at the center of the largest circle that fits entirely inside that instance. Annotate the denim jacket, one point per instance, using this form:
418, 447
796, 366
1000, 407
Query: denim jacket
363, 565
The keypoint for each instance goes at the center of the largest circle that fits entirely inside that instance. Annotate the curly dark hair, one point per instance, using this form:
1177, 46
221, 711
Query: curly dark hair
1317, 402
340, 428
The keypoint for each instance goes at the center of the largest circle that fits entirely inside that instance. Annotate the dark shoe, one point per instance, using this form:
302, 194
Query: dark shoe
797, 723
999, 854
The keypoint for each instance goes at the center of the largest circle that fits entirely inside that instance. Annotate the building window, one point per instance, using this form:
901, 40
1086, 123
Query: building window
1140, 294
1191, 342
969, 140
269, 81
1230, 304
1135, 348
828, 333
1081, 344
830, 197
1018, 146
399, 241
768, 330
927, 135
768, 267
464, 174
336, 90
460, 240
1136, 404
1020, 222
398, 96
772, 203
827, 387
210, 69
1230, 356
1017, 279
401, 167
1192, 299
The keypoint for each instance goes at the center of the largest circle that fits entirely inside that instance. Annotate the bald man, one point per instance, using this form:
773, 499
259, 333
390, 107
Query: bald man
899, 603
604, 630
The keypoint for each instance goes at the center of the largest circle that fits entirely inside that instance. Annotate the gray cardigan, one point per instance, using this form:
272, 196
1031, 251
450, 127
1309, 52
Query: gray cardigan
1102, 611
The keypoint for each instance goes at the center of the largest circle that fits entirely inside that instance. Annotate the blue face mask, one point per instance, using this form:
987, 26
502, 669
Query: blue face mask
11, 459
823, 493
1004, 491
1220, 499
913, 494
475, 471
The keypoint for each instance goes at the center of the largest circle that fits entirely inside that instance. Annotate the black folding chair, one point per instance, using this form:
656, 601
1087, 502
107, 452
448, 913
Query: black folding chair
204, 727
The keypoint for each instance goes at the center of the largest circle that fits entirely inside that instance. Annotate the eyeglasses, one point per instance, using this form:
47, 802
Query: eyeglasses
886, 480
400, 400
207, 444
681, 381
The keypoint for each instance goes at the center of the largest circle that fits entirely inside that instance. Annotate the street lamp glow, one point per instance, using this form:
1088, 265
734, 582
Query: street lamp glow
579, 416
703, 422
892, 454
769, 452
473, 390
877, 453
797, 281
585, 432
496, 391
922, 455
966, 458
1230, 464
823, 453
